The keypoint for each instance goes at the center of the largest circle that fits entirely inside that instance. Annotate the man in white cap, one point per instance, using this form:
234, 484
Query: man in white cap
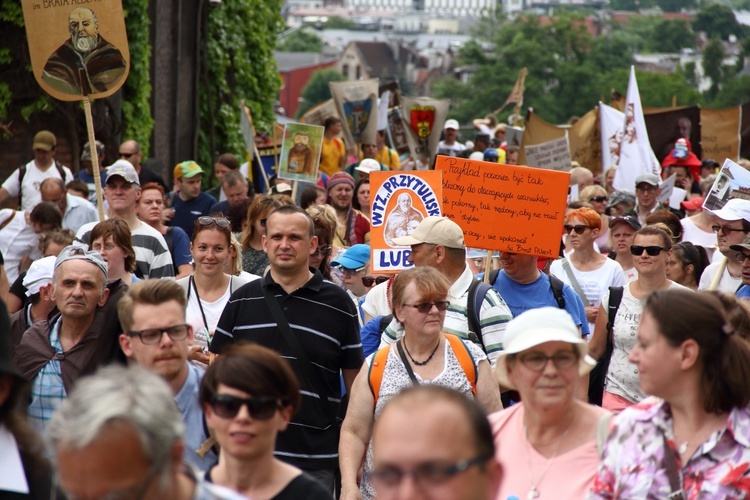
450, 146
439, 242
647, 193
731, 227
38, 283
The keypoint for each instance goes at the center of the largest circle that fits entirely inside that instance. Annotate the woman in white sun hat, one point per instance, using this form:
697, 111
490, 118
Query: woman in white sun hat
547, 444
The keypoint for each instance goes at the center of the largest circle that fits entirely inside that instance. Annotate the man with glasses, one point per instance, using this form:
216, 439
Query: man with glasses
24, 181
647, 193
355, 265
120, 437
54, 354
122, 192
433, 442
320, 316
130, 150
157, 337
731, 226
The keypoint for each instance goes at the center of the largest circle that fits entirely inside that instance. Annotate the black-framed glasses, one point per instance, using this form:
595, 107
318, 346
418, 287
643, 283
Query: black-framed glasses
537, 361
322, 251
219, 221
424, 475
425, 307
741, 257
259, 407
126, 155
646, 189
599, 199
153, 335
652, 250
370, 280
578, 228
725, 230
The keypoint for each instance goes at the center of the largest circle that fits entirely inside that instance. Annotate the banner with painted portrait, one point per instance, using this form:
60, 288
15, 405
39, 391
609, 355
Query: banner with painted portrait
357, 105
300, 152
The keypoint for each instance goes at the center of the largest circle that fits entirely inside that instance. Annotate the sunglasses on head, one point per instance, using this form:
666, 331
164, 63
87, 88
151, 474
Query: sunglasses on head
219, 221
370, 280
599, 199
425, 307
653, 250
578, 228
725, 230
324, 251
259, 407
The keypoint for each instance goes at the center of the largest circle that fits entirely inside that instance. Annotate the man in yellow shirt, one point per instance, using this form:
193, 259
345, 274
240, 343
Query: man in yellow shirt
333, 151
385, 155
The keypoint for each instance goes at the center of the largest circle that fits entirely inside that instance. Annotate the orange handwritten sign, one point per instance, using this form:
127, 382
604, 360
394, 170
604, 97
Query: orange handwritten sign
398, 203
505, 207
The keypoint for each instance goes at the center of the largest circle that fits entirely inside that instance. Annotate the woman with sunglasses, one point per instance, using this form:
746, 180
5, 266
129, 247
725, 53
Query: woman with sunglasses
691, 440
597, 197
254, 258
248, 395
686, 264
423, 355
209, 287
651, 249
589, 272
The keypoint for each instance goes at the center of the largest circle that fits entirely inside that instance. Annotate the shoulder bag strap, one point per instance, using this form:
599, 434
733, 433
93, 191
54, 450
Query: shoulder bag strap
574, 281
7, 221
673, 473
311, 377
602, 431
409, 370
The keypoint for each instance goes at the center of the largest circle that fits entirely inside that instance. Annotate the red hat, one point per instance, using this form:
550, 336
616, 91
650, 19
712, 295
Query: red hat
682, 156
693, 204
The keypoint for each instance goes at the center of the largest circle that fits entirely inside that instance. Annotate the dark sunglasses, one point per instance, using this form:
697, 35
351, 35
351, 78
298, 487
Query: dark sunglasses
425, 307
653, 251
126, 155
579, 228
725, 230
324, 251
153, 335
599, 199
219, 221
741, 257
259, 407
369, 280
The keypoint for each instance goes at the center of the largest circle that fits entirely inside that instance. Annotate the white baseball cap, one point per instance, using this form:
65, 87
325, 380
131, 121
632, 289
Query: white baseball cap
451, 124
735, 209
368, 166
39, 274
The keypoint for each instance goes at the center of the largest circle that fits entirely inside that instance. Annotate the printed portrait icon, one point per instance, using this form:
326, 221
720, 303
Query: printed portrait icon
402, 220
86, 63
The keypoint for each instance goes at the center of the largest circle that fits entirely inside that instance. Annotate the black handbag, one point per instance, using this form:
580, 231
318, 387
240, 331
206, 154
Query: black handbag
598, 375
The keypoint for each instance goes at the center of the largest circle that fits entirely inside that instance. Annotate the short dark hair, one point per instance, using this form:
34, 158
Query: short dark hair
253, 369
233, 178
290, 210
724, 357
78, 185
151, 292
228, 160
331, 120
355, 200
47, 213
237, 214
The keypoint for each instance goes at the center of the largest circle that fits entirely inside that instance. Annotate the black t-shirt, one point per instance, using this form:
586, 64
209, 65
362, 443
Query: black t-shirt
148, 175
19, 290
302, 486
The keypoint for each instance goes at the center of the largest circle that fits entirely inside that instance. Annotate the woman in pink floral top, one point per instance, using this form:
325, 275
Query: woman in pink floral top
696, 438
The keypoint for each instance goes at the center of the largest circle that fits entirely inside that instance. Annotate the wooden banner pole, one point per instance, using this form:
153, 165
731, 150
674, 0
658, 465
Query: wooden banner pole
94, 157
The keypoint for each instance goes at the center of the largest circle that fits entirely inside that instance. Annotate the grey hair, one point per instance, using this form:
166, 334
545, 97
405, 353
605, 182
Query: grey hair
114, 395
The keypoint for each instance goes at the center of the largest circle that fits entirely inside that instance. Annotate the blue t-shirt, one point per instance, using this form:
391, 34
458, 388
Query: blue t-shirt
743, 292
522, 297
186, 212
180, 248
91, 182
370, 335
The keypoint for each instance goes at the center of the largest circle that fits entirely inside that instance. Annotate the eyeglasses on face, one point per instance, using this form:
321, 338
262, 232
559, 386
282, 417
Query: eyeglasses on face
599, 199
653, 250
153, 335
537, 361
646, 189
426, 476
323, 251
725, 230
126, 155
425, 307
578, 228
259, 407
370, 280
741, 257
352, 272
219, 221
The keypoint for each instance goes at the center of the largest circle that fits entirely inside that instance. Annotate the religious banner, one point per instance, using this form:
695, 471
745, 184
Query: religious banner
720, 133
398, 203
732, 181
424, 118
611, 123
554, 155
583, 141
300, 152
357, 104
537, 131
318, 114
666, 125
636, 155
77, 51
504, 207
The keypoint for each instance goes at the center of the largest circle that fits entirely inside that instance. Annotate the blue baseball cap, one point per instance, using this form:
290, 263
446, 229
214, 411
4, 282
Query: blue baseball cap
355, 257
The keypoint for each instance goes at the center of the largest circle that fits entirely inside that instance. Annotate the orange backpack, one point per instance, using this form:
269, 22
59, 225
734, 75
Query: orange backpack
465, 359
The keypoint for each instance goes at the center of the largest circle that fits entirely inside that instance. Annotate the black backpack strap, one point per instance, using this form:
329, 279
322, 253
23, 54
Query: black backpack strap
21, 175
615, 297
384, 322
60, 171
493, 276
556, 284
477, 292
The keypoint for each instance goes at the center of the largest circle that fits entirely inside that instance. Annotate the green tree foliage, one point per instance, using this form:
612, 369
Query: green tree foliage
317, 90
713, 55
675, 5
717, 20
631, 5
735, 91
136, 108
237, 64
300, 41
339, 23
670, 35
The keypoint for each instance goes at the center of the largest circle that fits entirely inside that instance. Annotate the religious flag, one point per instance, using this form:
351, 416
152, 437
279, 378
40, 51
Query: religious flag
516, 95
611, 122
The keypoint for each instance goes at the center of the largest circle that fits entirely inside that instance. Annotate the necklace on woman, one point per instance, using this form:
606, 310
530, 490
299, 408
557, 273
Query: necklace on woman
534, 491
421, 363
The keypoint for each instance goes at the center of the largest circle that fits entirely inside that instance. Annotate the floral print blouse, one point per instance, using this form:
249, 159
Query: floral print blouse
633, 466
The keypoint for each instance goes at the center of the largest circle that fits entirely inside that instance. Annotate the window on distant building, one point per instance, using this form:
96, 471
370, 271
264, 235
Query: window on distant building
345, 70
359, 72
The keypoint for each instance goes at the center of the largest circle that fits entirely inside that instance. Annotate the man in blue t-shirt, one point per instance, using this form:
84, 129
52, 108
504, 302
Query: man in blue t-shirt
524, 287
188, 202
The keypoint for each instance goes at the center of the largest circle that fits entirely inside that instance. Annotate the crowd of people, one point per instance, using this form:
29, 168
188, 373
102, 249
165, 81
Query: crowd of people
225, 344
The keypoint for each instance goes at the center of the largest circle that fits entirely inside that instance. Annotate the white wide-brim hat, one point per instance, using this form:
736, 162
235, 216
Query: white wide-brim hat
536, 327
